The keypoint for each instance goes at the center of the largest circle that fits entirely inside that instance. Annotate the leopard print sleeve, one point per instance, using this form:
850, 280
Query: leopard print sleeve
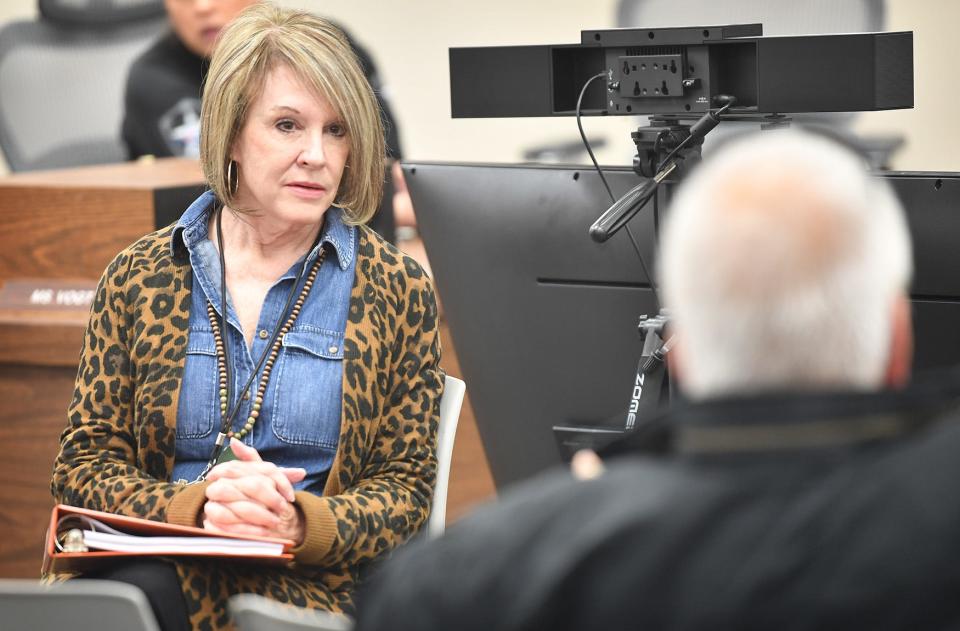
102, 464
387, 498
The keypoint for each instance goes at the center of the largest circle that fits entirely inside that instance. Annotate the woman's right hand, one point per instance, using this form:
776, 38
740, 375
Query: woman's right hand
250, 496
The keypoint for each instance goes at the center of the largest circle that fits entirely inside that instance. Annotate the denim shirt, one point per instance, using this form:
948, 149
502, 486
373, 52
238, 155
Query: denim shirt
299, 422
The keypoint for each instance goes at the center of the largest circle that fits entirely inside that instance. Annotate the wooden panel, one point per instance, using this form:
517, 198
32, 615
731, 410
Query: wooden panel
42, 321
144, 175
470, 479
71, 223
55, 225
59, 233
33, 403
39, 351
49, 344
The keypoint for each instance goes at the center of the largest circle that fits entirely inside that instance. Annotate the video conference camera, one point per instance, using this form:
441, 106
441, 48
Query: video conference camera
684, 72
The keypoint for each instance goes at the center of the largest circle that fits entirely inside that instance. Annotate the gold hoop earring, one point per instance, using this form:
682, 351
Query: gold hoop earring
233, 177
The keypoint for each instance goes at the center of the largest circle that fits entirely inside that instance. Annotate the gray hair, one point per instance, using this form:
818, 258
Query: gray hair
781, 262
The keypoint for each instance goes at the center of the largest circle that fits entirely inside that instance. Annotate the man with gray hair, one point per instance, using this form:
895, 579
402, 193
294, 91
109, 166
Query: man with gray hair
786, 266
798, 487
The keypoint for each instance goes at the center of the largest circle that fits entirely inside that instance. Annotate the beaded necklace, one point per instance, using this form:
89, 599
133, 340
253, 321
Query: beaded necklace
268, 366
267, 358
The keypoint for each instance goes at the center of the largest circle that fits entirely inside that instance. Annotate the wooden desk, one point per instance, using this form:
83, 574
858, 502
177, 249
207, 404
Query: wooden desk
58, 231
70, 224
38, 364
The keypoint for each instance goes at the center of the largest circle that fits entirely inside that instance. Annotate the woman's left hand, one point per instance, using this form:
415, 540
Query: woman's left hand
252, 497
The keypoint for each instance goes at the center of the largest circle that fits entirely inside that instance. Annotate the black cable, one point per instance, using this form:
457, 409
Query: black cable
613, 199
586, 143
224, 334
656, 216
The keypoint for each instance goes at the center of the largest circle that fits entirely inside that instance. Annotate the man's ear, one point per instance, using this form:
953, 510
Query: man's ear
900, 356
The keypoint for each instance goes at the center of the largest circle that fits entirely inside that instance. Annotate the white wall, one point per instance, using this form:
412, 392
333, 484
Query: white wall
409, 41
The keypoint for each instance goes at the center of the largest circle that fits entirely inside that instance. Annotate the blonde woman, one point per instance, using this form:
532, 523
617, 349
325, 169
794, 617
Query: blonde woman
270, 324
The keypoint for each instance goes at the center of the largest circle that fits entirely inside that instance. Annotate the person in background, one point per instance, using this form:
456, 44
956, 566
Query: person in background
799, 487
162, 95
269, 320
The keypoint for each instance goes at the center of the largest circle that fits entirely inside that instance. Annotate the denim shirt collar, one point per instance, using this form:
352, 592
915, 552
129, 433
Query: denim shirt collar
191, 228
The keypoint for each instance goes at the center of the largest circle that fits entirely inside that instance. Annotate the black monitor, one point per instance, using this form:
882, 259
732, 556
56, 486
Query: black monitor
545, 320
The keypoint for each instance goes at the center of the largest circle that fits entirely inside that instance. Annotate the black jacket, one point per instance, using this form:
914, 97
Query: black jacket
836, 511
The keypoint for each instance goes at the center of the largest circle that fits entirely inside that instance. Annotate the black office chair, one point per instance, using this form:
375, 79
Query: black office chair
62, 78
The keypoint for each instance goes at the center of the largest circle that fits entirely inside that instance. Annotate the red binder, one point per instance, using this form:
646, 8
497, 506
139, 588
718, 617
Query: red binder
57, 560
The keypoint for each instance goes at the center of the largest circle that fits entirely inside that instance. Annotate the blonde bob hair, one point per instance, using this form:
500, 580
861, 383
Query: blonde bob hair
259, 39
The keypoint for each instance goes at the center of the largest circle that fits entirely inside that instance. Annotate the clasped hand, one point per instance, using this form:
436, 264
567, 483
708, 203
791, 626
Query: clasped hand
248, 496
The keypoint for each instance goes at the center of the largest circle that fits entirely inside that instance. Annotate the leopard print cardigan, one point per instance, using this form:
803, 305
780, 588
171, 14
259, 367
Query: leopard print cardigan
117, 452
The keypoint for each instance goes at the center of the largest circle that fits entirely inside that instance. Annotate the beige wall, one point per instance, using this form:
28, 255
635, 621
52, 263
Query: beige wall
409, 40
17, 9
413, 58
932, 127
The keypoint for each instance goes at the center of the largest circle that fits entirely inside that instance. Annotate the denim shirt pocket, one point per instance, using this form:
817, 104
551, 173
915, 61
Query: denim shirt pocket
197, 407
307, 398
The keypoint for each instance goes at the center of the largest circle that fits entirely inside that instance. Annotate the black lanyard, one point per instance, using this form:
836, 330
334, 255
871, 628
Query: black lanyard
221, 452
